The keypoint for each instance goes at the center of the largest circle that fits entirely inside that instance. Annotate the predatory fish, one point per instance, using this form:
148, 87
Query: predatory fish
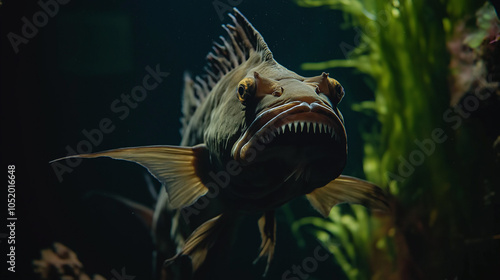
254, 136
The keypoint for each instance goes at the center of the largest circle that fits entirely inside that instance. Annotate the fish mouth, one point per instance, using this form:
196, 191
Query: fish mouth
298, 131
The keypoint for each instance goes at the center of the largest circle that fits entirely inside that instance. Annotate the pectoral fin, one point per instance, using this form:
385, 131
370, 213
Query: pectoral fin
202, 239
267, 227
180, 169
347, 189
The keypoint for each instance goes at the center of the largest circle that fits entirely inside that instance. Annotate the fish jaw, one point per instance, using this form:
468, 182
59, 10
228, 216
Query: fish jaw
295, 139
286, 120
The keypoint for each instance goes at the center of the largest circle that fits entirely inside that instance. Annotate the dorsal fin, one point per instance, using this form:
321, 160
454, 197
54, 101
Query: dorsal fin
242, 40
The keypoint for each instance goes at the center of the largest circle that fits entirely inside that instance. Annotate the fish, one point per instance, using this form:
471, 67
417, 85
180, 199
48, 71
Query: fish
255, 135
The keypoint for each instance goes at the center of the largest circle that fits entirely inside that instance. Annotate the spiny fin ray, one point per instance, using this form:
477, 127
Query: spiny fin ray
202, 239
244, 40
267, 228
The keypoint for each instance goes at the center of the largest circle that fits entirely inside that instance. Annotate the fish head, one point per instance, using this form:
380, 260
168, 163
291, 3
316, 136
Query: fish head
281, 129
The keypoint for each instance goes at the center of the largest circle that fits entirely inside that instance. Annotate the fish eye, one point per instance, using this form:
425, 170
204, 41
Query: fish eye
246, 89
336, 90
241, 90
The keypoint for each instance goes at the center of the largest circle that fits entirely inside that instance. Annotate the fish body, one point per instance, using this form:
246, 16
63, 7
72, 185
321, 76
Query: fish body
273, 136
254, 136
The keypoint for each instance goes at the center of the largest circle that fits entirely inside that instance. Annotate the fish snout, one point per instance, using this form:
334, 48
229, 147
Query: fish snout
294, 125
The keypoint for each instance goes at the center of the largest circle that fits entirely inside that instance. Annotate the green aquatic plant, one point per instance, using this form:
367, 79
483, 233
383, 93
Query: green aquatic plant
355, 239
416, 149
346, 236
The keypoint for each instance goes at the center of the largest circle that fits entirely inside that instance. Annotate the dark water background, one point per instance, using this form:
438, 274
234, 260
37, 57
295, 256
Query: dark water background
65, 79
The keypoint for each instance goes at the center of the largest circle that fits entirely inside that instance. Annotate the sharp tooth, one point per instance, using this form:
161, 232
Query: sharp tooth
308, 125
333, 133
301, 126
329, 130
314, 127
290, 126
296, 124
320, 127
